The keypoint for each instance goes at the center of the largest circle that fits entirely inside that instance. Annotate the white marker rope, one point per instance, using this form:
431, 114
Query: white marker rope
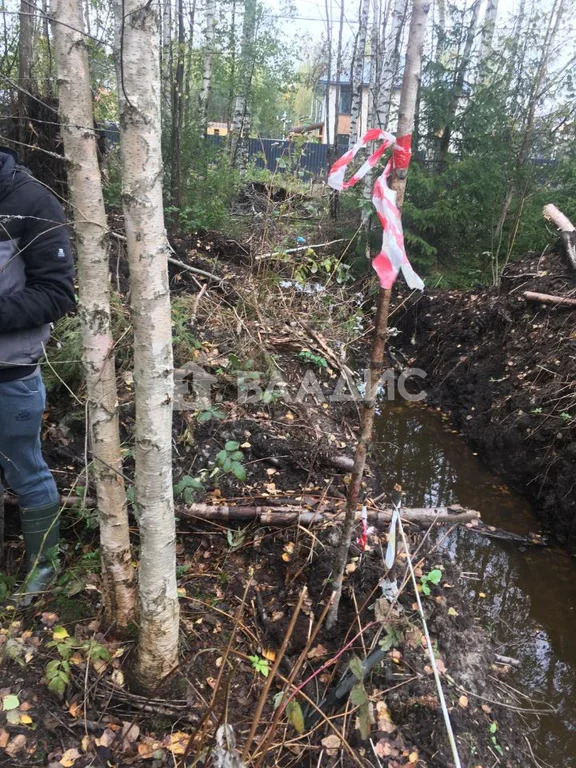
444, 707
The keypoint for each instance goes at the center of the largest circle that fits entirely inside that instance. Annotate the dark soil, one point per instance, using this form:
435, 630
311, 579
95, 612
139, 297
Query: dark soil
504, 369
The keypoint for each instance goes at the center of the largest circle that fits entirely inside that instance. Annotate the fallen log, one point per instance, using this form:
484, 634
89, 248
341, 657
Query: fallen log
289, 515
548, 298
567, 232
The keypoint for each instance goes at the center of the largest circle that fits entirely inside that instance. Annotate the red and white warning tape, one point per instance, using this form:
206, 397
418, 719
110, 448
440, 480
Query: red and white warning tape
392, 258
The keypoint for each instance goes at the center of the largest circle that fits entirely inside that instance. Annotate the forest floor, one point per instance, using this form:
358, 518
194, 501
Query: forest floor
247, 590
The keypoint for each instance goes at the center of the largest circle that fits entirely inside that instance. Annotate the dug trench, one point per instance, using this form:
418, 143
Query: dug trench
503, 368
239, 585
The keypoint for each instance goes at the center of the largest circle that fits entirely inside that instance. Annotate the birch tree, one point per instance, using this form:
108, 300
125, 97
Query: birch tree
408, 98
358, 71
137, 31
488, 29
392, 49
94, 307
210, 19
245, 68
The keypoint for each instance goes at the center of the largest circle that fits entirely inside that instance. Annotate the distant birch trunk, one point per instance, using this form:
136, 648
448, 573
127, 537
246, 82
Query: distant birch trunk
75, 99
177, 121
241, 118
408, 99
392, 47
358, 72
488, 29
204, 95
458, 86
137, 26
166, 60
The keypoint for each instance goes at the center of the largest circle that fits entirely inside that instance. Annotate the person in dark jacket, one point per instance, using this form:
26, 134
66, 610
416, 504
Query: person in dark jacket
36, 288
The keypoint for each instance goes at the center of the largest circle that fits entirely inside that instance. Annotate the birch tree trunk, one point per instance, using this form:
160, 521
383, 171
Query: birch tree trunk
241, 118
457, 88
207, 67
177, 121
137, 29
358, 72
488, 30
392, 46
408, 97
118, 576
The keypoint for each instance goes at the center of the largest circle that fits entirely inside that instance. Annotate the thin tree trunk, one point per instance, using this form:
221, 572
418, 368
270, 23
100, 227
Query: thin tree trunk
137, 42
189, 65
408, 98
457, 89
385, 85
166, 61
177, 122
553, 26
241, 120
75, 99
488, 30
357, 78
327, 126
334, 195
207, 68
25, 68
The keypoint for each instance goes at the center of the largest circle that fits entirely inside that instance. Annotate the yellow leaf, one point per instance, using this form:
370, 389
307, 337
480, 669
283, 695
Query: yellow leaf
481, 594
289, 416
60, 633
452, 612
286, 557
413, 757
178, 742
118, 677
26, 719
463, 701
269, 653
69, 758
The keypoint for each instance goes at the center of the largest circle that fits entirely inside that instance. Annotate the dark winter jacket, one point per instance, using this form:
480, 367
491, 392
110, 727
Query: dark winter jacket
36, 267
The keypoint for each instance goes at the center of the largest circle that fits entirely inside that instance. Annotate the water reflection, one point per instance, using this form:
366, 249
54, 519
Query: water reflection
530, 595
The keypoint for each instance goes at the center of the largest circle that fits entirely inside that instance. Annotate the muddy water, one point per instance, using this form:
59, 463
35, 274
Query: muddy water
530, 596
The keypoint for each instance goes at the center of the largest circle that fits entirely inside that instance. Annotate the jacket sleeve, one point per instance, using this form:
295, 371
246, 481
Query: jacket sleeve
44, 246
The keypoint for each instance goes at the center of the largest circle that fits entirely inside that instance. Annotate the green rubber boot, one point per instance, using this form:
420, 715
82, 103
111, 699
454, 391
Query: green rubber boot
41, 531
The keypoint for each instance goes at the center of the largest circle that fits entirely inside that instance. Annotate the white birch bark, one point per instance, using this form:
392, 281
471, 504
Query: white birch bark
91, 230
385, 86
210, 13
137, 26
488, 29
358, 71
241, 118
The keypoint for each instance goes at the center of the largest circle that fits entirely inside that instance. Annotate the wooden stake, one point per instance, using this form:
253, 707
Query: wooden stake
567, 232
547, 298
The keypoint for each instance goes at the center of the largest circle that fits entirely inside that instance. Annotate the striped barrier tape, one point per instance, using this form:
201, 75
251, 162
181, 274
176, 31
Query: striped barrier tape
392, 258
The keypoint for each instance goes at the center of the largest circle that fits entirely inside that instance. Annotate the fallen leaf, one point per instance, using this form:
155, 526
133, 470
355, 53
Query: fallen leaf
269, 653
383, 748
384, 718
413, 758
99, 665
4, 737
75, 709
60, 633
148, 747
26, 719
452, 612
130, 733
16, 745
441, 666
177, 742
463, 701
487, 708
332, 744
106, 739
317, 652
351, 567
118, 678
13, 717
49, 619
10, 702
481, 594
69, 758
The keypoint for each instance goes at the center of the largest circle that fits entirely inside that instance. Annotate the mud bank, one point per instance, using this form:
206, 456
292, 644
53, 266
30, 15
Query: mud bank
504, 369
